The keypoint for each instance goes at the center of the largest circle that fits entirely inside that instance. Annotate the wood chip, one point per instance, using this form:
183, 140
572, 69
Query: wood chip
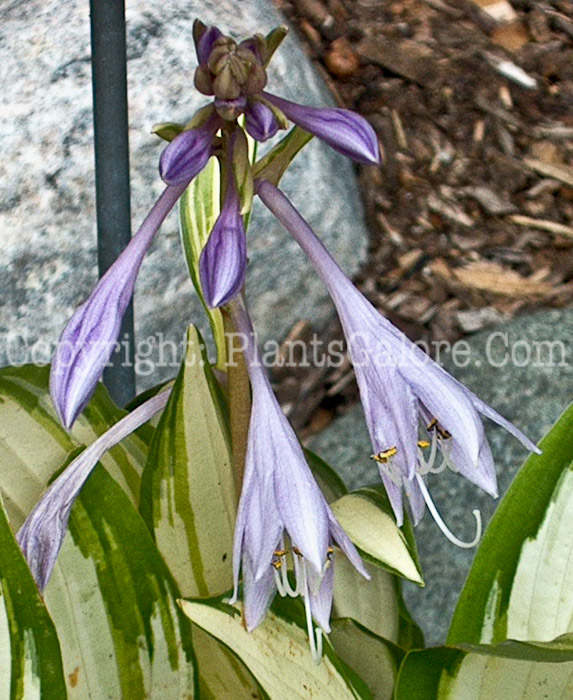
563, 173
449, 210
490, 201
543, 224
487, 276
407, 58
475, 319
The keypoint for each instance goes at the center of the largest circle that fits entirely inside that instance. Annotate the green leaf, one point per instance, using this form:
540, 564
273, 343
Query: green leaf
30, 657
368, 519
277, 652
199, 208
34, 446
113, 602
451, 673
275, 163
188, 496
520, 584
372, 603
374, 658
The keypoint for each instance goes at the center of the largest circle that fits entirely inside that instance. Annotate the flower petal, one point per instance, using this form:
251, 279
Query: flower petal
339, 536
321, 600
346, 132
204, 37
42, 535
257, 594
223, 260
260, 121
188, 153
88, 340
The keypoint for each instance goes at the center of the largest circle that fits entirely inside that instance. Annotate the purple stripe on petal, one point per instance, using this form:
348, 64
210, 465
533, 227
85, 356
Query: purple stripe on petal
188, 153
87, 342
346, 132
260, 122
42, 535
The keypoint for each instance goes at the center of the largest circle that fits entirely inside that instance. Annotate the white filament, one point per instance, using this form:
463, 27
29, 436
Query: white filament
442, 525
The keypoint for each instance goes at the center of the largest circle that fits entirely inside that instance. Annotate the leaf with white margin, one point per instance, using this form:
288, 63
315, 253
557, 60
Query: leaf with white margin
520, 585
277, 652
30, 657
34, 445
188, 495
368, 519
199, 208
113, 602
374, 658
511, 671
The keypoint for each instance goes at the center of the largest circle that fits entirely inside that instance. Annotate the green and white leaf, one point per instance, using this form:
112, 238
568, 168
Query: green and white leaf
457, 674
30, 658
367, 517
113, 602
199, 208
33, 444
374, 603
373, 658
521, 583
188, 496
277, 653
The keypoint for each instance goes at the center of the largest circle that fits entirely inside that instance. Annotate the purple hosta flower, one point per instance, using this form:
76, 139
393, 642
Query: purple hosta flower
88, 340
280, 502
42, 535
188, 153
346, 132
260, 122
401, 390
223, 261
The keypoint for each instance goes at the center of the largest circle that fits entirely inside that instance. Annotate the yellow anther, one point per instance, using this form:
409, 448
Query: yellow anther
432, 424
329, 553
385, 455
277, 564
442, 432
280, 552
297, 551
423, 444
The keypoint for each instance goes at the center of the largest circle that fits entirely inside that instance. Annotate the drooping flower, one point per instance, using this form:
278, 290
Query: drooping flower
402, 390
42, 535
281, 502
223, 260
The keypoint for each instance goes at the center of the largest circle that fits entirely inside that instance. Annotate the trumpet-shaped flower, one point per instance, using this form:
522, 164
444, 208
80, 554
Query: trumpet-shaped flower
42, 535
402, 390
280, 500
260, 122
88, 340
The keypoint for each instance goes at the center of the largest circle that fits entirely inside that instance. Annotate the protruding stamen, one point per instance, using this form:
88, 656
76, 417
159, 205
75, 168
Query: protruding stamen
433, 425
384, 456
442, 525
315, 643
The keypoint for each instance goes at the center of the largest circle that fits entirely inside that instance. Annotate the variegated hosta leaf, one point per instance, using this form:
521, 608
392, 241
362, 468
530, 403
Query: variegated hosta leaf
510, 671
188, 496
274, 164
277, 653
521, 583
367, 517
199, 208
30, 657
111, 596
33, 444
330, 483
113, 602
374, 658
372, 603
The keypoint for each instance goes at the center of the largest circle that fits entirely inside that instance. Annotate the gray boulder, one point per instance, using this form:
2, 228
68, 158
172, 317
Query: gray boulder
47, 216
523, 369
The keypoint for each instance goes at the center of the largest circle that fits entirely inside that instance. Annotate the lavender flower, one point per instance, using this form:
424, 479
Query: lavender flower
280, 499
401, 388
88, 340
223, 261
260, 122
42, 535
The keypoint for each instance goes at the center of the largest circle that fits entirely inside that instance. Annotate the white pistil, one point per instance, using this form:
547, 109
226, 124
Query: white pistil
315, 642
442, 525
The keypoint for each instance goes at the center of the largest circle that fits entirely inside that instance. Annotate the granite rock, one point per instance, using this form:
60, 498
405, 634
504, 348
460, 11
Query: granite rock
47, 215
523, 369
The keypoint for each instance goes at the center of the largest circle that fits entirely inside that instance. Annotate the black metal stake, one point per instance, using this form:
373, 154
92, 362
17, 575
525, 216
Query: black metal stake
109, 80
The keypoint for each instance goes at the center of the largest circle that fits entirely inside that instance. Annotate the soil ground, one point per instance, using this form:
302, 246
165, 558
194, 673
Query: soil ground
471, 213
